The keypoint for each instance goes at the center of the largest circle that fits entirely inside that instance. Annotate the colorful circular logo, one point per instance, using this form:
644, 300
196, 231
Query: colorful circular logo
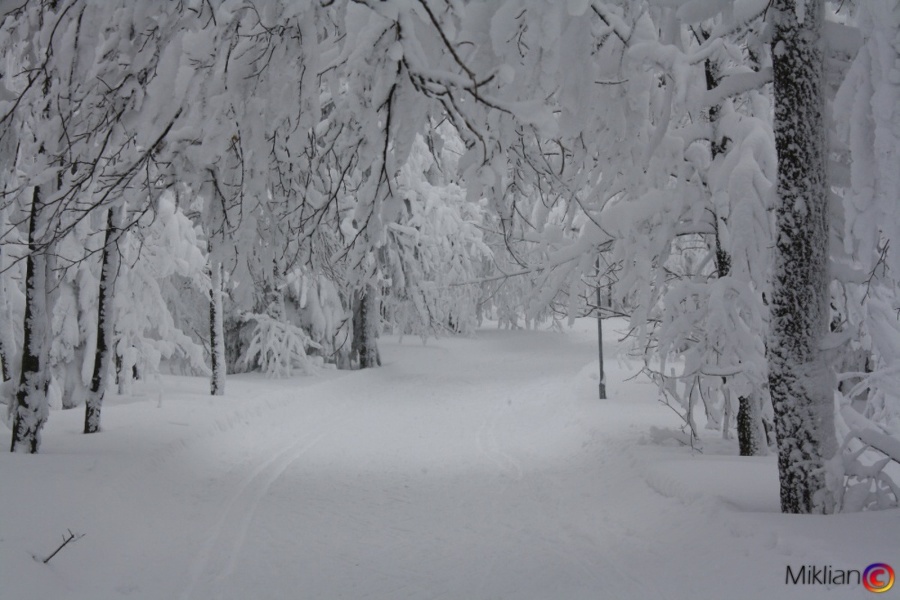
878, 577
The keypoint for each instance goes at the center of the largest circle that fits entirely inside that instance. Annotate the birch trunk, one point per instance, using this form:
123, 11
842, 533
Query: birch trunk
30, 410
105, 323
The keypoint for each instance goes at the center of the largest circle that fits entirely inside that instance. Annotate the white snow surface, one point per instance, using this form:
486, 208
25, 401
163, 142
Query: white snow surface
466, 468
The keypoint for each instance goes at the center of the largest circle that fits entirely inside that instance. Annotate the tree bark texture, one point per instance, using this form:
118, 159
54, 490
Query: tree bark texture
800, 381
365, 319
30, 411
216, 331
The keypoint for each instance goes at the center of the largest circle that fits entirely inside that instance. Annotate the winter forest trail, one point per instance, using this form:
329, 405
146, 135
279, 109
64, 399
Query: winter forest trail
465, 468
423, 483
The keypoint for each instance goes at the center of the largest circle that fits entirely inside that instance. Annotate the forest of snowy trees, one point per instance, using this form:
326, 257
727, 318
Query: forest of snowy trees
216, 186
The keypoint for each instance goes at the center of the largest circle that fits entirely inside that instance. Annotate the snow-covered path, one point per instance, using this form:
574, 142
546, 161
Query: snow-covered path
418, 485
465, 468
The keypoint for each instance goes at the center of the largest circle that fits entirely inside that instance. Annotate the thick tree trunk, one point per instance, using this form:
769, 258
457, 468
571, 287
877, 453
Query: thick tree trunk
216, 331
800, 381
365, 319
31, 410
105, 324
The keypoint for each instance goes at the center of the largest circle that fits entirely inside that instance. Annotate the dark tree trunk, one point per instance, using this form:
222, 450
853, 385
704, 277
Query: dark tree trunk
30, 410
119, 362
744, 424
365, 316
751, 431
5, 367
216, 331
105, 323
602, 385
4, 360
800, 381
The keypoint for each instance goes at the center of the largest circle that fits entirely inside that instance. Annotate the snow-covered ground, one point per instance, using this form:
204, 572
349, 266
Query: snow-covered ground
463, 469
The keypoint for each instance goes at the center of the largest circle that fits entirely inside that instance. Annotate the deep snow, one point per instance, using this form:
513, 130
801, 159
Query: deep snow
464, 468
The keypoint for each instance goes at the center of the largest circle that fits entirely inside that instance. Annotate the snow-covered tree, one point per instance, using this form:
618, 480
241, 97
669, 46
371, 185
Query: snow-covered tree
433, 251
350, 166
87, 108
103, 356
864, 326
800, 380
163, 244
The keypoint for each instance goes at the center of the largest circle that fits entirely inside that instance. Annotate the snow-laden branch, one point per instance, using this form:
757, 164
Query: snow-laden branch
733, 85
619, 27
871, 434
863, 486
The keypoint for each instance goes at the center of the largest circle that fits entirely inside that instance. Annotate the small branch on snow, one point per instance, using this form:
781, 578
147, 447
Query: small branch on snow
73, 537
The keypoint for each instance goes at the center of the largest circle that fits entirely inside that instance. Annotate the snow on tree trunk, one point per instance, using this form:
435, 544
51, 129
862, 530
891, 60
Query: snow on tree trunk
5, 351
6, 347
31, 407
751, 433
750, 429
4, 362
126, 364
105, 325
728, 411
602, 384
216, 331
365, 318
74, 391
800, 381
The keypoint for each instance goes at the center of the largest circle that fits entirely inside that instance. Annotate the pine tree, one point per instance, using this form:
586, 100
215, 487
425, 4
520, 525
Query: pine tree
799, 379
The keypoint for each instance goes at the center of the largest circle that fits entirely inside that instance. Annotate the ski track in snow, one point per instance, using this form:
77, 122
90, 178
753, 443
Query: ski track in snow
528, 383
471, 469
220, 553
584, 558
490, 447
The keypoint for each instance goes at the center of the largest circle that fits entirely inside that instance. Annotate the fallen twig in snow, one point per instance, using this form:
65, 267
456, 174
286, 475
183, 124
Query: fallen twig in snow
73, 537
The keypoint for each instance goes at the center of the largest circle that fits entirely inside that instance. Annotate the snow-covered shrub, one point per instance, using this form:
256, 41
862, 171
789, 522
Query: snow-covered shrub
432, 253
315, 302
165, 244
859, 473
866, 261
277, 347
